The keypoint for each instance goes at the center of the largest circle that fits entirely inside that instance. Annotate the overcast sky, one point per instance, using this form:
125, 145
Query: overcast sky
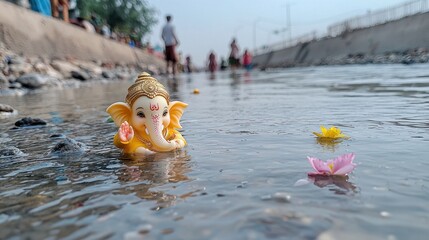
205, 25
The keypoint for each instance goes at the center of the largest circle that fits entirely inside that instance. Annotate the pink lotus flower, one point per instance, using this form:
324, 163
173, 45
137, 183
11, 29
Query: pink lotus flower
341, 165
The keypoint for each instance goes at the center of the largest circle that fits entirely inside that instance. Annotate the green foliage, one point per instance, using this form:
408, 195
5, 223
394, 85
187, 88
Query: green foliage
124, 16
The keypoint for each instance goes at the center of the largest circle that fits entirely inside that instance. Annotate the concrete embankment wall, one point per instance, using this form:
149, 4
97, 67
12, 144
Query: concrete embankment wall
408, 33
33, 35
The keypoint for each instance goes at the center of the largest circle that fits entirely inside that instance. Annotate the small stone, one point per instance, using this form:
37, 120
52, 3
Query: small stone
7, 111
243, 184
68, 146
107, 74
6, 108
196, 91
385, 214
15, 85
220, 195
81, 75
11, 152
35, 80
167, 231
90, 67
122, 75
28, 121
21, 68
50, 71
4, 82
65, 68
14, 60
145, 229
281, 197
58, 135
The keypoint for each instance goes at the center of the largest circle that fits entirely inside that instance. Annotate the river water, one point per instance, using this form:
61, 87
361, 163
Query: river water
243, 174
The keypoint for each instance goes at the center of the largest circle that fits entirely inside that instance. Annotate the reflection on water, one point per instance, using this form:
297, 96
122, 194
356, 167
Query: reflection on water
329, 144
339, 181
249, 134
154, 170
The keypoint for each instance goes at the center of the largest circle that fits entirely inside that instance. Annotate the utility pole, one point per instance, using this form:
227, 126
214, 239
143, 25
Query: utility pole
254, 34
289, 27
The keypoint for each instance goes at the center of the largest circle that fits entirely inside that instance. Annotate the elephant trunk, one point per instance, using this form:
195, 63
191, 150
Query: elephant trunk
160, 144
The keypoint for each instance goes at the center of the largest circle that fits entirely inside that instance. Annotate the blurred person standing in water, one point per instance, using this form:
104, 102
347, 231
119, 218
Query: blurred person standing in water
247, 60
212, 62
223, 64
170, 41
234, 59
188, 64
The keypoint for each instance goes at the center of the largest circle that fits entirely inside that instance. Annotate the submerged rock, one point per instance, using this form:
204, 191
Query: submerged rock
68, 146
11, 152
58, 135
6, 111
28, 121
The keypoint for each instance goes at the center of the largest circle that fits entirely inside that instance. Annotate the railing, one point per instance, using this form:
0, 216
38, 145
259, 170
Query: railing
312, 36
379, 17
368, 20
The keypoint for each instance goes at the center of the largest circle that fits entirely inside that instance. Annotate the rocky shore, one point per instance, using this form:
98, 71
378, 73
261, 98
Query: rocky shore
420, 55
20, 75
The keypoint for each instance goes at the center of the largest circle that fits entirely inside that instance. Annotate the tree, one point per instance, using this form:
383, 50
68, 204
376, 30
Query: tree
132, 17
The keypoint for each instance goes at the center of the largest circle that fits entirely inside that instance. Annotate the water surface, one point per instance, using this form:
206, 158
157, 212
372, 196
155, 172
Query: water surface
243, 174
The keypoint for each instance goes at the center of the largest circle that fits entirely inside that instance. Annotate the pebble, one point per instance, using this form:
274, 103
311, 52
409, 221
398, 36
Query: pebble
384, 214
35, 80
57, 135
281, 197
28, 121
4, 82
11, 152
68, 146
81, 75
7, 111
107, 74
243, 184
196, 91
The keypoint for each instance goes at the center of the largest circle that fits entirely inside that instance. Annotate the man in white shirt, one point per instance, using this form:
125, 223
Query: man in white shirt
170, 41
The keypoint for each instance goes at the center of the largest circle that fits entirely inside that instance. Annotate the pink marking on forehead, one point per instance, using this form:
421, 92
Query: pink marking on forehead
154, 107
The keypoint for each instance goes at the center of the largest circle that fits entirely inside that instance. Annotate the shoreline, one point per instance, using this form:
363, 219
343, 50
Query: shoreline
20, 75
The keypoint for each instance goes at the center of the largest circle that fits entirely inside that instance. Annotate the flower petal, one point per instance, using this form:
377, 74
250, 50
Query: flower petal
343, 160
344, 164
323, 129
345, 169
318, 165
318, 134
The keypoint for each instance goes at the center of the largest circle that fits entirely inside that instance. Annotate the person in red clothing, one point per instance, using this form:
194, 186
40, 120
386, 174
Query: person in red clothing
247, 60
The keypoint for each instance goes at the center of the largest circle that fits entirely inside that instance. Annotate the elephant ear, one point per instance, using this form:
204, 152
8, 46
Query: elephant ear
120, 112
176, 109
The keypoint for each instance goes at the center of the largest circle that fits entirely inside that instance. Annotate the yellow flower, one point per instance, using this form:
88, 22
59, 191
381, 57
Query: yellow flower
332, 133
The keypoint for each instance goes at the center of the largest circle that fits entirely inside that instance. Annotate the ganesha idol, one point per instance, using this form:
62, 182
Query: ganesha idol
147, 120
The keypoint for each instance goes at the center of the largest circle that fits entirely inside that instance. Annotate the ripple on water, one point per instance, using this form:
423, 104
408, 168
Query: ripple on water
248, 136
